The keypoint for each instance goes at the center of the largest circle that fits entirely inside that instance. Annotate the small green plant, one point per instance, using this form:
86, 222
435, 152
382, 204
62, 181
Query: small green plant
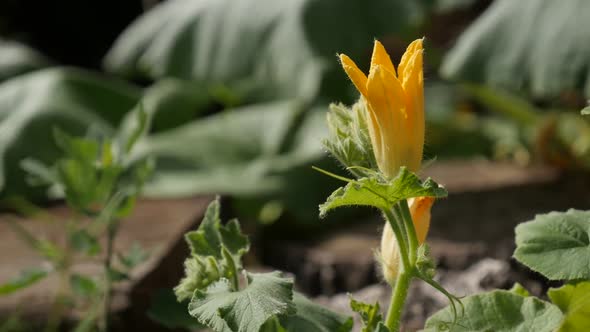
100, 183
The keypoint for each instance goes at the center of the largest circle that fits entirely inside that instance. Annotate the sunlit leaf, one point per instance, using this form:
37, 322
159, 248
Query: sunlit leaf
574, 302
381, 194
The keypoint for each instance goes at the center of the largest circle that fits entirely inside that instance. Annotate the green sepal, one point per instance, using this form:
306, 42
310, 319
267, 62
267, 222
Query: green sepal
349, 139
381, 193
424, 262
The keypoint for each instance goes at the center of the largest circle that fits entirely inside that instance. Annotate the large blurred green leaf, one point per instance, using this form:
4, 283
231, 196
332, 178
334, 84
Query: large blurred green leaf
32, 105
242, 151
268, 49
538, 45
16, 59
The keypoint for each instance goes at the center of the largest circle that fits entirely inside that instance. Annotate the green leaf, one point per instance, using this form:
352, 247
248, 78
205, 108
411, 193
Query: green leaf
519, 289
117, 275
206, 241
166, 310
538, 45
498, 311
134, 256
25, 279
216, 252
83, 286
371, 191
246, 310
242, 151
585, 110
199, 272
133, 128
83, 242
17, 58
370, 314
211, 236
574, 302
286, 48
311, 317
556, 244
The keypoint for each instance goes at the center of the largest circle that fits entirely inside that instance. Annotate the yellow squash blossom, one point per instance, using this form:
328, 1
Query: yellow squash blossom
395, 105
390, 255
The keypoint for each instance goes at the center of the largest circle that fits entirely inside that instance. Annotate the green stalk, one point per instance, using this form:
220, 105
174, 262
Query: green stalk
410, 229
111, 232
398, 299
406, 236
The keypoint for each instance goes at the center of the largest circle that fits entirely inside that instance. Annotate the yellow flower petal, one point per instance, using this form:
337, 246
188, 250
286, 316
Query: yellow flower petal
420, 210
381, 58
415, 46
358, 78
395, 106
387, 100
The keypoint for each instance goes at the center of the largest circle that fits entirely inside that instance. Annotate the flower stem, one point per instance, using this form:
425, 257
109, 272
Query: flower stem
410, 229
398, 299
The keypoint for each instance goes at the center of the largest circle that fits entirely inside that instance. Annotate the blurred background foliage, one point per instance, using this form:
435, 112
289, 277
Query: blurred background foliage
238, 89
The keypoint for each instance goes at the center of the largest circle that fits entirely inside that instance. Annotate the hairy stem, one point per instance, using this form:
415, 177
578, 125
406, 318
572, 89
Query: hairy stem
398, 299
410, 230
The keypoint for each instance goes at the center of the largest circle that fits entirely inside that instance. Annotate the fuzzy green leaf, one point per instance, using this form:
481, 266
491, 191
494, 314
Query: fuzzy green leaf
246, 310
371, 191
370, 314
574, 302
199, 272
211, 235
498, 311
556, 244
207, 263
311, 317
